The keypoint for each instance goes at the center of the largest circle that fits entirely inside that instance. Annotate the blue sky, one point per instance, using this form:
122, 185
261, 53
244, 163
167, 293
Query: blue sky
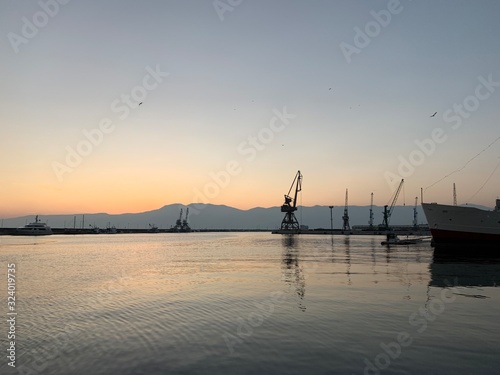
352, 121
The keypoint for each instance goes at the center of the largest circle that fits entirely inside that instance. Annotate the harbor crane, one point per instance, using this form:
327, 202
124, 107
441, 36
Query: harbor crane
345, 218
178, 223
388, 212
181, 225
185, 227
370, 222
290, 222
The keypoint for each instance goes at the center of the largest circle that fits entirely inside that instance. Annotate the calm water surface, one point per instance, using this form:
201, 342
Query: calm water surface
246, 303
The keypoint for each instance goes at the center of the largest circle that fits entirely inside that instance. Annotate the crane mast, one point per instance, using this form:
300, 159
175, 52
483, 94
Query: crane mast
345, 218
185, 226
454, 195
179, 220
290, 222
388, 212
181, 225
415, 214
370, 222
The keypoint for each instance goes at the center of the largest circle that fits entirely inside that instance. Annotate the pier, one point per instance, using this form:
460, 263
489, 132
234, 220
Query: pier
403, 231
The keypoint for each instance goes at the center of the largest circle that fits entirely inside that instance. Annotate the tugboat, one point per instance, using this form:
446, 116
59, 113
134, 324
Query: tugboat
36, 228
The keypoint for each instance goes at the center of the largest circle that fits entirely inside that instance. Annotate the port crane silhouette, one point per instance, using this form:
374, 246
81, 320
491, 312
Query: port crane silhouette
290, 222
388, 212
370, 222
345, 218
181, 225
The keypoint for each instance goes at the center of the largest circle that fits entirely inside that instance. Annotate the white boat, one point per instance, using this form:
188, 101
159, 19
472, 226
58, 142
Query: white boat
36, 228
393, 239
462, 225
111, 230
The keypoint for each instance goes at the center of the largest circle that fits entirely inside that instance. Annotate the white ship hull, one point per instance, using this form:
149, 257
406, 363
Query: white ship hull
462, 225
34, 231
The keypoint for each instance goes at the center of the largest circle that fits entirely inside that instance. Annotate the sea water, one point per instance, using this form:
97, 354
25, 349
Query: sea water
244, 303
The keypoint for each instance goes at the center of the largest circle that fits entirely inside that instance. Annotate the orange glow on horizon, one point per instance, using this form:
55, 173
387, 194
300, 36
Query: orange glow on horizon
136, 189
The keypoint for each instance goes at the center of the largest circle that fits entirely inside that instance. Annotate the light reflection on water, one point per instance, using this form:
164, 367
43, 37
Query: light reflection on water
248, 303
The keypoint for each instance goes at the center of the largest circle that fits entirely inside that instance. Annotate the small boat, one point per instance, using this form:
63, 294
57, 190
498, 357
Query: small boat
95, 229
36, 228
153, 228
393, 239
111, 230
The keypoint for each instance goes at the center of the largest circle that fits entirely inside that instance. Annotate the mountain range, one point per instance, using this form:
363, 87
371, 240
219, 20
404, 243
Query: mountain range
209, 216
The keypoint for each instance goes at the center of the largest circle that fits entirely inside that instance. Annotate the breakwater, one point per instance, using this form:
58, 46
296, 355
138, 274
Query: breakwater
79, 231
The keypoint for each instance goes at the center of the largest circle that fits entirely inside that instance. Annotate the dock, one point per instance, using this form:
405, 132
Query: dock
79, 231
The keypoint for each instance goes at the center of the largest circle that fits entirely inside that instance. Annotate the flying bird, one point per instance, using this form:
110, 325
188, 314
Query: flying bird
140, 103
435, 113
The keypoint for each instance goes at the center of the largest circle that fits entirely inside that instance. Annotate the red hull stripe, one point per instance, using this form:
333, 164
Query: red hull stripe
440, 235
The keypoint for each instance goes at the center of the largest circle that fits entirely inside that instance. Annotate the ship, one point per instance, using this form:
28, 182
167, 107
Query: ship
36, 228
463, 225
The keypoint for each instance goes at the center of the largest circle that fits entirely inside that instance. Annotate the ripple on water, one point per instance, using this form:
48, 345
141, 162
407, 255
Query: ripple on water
172, 304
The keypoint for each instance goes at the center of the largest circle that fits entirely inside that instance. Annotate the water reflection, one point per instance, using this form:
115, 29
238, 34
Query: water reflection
359, 260
457, 269
293, 274
347, 244
373, 254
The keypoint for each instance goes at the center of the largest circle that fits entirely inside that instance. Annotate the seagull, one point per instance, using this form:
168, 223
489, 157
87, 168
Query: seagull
435, 113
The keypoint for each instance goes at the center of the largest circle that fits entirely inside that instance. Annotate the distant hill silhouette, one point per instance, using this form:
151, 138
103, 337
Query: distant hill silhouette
209, 216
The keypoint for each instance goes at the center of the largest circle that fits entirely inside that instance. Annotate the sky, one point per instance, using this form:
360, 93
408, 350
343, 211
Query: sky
239, 95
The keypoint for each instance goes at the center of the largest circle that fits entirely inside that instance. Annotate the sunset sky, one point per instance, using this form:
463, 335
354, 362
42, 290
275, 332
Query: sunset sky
239, 95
